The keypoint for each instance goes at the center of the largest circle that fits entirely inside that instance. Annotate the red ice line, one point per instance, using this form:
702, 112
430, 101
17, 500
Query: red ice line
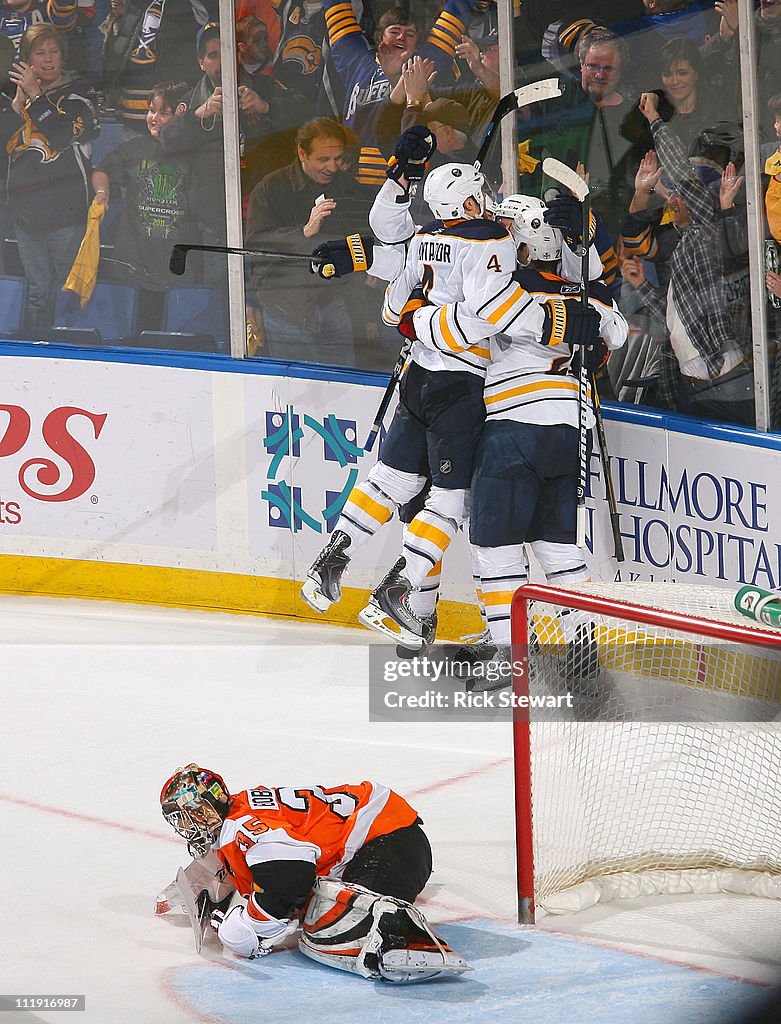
153, 834
89, 819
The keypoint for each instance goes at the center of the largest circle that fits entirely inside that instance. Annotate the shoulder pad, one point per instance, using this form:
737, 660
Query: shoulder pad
598, 290
479, 230
530, 279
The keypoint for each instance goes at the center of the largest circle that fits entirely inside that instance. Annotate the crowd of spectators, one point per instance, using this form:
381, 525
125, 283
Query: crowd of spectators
120, 103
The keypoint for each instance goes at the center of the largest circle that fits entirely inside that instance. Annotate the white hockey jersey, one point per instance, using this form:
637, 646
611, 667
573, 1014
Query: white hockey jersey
452, 261
526, 381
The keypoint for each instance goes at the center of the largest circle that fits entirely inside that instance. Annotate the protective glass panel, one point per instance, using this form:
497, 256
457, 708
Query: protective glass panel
319, 123
109, 159
651, 109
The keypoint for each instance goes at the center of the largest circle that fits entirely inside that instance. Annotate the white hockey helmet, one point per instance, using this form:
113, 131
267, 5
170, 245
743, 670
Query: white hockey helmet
448, 187
528, 226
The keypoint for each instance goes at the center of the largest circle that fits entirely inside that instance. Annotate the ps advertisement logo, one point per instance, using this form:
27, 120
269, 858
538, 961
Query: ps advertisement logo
59, 467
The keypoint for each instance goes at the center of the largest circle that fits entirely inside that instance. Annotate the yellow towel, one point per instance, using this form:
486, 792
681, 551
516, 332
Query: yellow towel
527, 164
84, 271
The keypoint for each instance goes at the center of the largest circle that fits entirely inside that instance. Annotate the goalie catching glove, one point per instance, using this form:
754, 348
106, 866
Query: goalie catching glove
566, 214
412, 153
344, 256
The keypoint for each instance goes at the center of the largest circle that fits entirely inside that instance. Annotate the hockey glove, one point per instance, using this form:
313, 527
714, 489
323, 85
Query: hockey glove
567, 322
566, 214
406, 325
595, 356
343, 256
411, 153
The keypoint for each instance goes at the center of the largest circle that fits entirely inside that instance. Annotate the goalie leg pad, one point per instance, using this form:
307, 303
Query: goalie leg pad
354, 929
339, 928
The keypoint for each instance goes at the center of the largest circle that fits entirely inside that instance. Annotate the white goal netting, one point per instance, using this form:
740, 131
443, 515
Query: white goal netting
672, 783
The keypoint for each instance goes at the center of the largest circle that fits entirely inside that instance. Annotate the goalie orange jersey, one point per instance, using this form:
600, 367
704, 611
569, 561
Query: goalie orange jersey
323, 826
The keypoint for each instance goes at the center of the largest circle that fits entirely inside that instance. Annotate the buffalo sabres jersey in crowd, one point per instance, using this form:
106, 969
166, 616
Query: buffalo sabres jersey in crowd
60, 13
301, 59
366, 85
526, 381
324, 827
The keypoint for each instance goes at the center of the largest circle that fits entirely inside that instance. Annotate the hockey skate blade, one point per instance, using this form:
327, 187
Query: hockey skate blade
314, 596
402, 966
375, 618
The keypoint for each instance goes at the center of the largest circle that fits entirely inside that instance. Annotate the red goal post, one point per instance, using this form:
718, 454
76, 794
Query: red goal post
673, 784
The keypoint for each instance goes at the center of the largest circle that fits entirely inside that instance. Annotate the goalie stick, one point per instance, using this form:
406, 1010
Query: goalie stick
546, 89
179, 252
579, 188
198, 915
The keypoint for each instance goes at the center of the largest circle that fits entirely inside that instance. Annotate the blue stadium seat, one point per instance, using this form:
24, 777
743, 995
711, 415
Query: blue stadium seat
198, 311
13, 302
113, 132
71, 336
110, 310
177, 341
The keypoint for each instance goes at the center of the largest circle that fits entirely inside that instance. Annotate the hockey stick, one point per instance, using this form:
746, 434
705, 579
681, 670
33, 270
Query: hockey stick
571, 179
615, 524
385, 401
547, 89
579, 188
196, 915
179, 252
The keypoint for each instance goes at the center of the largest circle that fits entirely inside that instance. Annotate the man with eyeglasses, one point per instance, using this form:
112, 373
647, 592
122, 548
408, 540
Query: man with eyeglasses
598, 111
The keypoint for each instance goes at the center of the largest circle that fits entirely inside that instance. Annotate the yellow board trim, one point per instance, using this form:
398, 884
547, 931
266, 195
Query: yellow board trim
198, 588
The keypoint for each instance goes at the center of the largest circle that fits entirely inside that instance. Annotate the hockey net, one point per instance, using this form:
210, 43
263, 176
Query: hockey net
665, 775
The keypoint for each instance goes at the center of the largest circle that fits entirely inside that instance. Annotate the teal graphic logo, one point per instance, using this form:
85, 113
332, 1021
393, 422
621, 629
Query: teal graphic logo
305, 506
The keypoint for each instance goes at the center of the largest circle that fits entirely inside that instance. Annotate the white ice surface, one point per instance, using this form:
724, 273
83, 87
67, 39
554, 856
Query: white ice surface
100, 703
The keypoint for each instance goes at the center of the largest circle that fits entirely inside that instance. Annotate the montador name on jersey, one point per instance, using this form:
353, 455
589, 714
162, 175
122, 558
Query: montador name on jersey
437, 252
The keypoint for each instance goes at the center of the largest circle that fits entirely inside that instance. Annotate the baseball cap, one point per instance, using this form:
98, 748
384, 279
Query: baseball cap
207, 32
487, 41
447, 112
707, 174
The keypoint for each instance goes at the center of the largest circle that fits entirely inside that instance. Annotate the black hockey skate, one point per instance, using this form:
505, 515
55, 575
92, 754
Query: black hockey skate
580, 670
491, 673
429, 624
322, 586
465, 656
388, 612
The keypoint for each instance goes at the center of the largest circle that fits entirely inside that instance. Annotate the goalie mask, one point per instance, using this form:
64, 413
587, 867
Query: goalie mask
195, 802
528, 227
447, 189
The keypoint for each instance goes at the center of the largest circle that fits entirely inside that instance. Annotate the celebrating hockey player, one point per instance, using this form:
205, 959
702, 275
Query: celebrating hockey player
349, 859
461, 256
526, 466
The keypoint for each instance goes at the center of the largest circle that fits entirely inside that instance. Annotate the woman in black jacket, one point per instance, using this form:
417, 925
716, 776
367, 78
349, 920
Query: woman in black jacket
46, 130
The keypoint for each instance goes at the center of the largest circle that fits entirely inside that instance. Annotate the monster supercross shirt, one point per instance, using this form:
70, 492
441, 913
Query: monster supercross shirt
156, 210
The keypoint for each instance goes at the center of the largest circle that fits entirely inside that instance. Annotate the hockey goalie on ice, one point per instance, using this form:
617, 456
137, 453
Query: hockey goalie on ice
343, 864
